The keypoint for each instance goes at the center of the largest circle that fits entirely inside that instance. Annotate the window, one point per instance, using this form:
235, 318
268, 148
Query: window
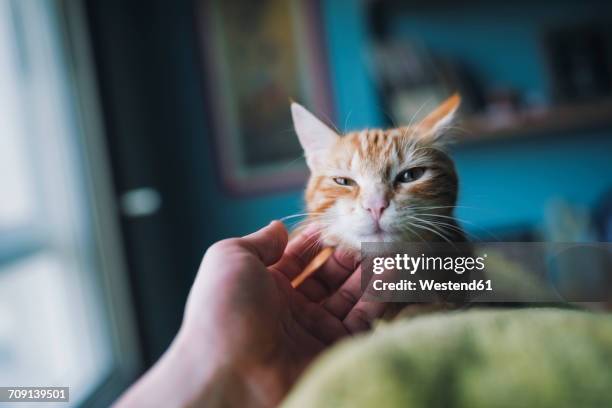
64, 315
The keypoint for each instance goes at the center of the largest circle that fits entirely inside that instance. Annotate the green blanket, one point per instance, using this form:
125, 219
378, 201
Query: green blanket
480, 358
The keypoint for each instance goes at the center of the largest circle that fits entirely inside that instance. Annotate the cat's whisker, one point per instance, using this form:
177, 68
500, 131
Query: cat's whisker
463, 222
388, 115
434, 221
439, 216
299, 222
322, 228
443, 227
312, 242
347, 119
448, 217
330, 123
410, 123
417, 209
434, 232
304, 223
305, 214
409, 206
407, 226
454, 128
446, 226
292, 162
445, 217
471, 235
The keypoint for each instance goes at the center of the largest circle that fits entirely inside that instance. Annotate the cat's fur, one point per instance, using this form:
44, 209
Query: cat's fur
354, 193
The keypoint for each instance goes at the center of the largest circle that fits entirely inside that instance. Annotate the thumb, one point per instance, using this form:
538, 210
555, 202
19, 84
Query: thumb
269, 243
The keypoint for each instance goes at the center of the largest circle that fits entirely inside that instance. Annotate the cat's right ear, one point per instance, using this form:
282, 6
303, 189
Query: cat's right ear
315, 136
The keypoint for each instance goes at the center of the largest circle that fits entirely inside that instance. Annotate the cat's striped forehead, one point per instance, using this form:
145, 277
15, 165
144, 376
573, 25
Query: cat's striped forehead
372, 160
378, 150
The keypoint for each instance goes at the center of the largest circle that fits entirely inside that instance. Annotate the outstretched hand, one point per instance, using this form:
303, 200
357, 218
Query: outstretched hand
245, 325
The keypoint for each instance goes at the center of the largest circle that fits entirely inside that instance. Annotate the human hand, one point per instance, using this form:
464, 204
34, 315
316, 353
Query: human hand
247, 334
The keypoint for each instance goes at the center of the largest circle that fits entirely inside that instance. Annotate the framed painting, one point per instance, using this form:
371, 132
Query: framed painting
258, 56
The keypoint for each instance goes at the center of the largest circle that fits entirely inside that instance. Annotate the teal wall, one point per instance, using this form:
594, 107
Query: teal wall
507, 185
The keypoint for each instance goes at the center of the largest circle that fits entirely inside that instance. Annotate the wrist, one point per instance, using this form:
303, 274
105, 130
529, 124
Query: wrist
223, 378
186, 375
210, 378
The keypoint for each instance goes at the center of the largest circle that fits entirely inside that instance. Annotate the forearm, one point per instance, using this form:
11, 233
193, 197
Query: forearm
185, 377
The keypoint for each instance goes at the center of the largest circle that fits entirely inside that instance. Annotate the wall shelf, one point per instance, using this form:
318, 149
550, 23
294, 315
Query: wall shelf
563, 118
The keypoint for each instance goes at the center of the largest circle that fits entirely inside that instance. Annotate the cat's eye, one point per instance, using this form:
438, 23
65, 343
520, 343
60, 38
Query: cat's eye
344, 181
410, 175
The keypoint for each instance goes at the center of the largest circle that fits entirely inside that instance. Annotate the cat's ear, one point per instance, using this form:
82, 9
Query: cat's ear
315, 136
435, 125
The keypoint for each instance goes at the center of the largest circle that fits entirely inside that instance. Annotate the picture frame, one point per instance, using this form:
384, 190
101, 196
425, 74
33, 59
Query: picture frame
258, 56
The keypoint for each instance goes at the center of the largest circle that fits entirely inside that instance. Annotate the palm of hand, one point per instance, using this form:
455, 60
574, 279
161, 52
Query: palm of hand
258, 321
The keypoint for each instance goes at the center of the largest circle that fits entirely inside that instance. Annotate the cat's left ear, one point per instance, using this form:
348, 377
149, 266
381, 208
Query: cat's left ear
435, 125
315, 136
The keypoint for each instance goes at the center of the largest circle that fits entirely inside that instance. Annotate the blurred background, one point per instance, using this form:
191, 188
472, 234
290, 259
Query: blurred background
133, 134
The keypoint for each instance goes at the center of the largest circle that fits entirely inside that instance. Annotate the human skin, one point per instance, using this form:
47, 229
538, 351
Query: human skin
247, 334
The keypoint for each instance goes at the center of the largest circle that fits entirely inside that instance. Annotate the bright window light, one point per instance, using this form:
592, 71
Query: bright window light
55, 324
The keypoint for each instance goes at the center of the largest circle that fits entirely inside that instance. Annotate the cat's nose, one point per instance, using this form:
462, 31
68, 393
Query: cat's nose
376, 207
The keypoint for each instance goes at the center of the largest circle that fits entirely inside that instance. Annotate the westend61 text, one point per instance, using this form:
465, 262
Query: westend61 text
432, 285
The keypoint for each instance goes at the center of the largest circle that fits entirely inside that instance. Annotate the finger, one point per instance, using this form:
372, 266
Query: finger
317, 321
361, 317
346, 297
299, 252
330, 276
268, 243
314, 290
313, 266
337, 268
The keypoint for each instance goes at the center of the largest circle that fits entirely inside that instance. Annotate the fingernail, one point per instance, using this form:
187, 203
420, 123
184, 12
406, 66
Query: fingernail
278, 222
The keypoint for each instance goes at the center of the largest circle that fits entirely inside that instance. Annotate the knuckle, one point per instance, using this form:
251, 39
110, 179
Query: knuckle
344, 261
296, 258
347, 296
